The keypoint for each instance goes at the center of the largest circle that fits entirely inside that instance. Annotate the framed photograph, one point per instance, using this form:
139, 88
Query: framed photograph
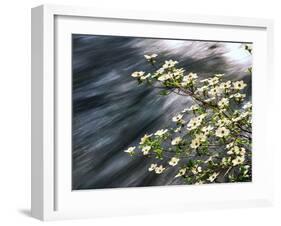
137, 112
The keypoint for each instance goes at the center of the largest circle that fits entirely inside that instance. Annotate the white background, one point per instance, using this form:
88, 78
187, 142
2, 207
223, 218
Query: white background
15, 112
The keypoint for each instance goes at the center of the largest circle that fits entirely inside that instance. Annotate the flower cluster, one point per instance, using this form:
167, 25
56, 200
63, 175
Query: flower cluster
211, 139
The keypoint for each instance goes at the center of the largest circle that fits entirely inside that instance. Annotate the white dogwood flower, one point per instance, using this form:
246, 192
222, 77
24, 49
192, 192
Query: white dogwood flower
169, 64
193, 107
209, 99
213, 177
195, 143
160, 132
201, 89
213, 81
230, 145
130, 150
138, 74
159, 169
150, 57
174, 161
223, 122
144, 77
222, 132
238, 160
145, 138
239, 85
215, 91
146, 149
193, 124
248, 105
181, 172
152, 167
177, 118
196, 169
165, 77
207, 129
176, 141
201, 136
224, 102
225, 85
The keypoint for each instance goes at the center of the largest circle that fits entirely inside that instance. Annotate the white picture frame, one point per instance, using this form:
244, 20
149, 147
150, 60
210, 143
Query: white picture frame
52, 197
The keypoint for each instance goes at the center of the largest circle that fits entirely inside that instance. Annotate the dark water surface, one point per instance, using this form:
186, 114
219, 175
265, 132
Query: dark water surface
112, 112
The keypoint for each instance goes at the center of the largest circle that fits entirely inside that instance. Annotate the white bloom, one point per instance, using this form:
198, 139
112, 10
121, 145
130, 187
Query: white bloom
237, 151
234, 150
196, 170
184, 84
245, 114
248, 105
137, 74
165, 77
239, 85
213, 81
150, 57
185, 110
202, 137
219, 75
176, 141
160, 132
225, 85
193, 124
202, 89
152, 167
209, 99
190, 77
222, 132
159, 169
145, 76
160, 71
207, 129
223, 122
195, 143
145, 138
193, 107
226, 161
215, 91
238, 96
201, 117
224, 102
177, 129
181, 172
130, 150
178, 73
174, 161
213, 177
169, 64
177, 118
238, 160
237, 119
228, 146
146, 149
204, 80
186, 79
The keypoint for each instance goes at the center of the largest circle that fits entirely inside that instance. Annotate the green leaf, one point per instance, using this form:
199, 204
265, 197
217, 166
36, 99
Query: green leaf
164, 92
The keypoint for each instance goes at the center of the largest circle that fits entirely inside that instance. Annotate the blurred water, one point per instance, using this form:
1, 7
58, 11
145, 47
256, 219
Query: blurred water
112, 112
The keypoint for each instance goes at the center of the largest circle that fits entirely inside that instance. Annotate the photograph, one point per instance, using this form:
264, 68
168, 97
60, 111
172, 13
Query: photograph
150, 111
